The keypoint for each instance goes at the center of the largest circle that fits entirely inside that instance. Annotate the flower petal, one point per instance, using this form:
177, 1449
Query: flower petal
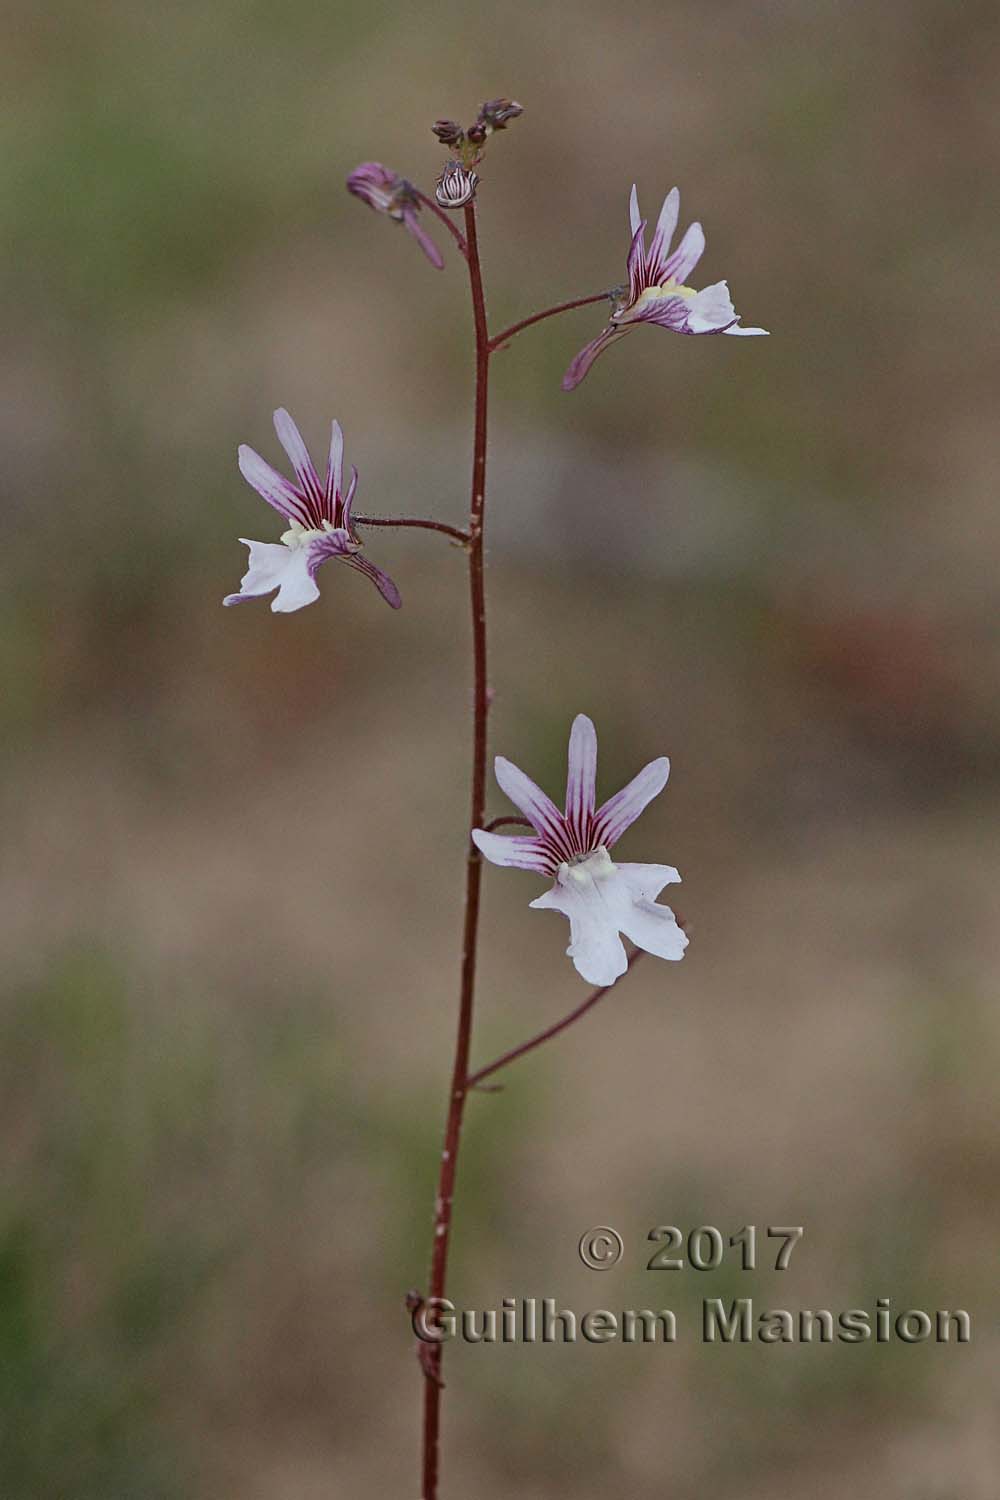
669, 310
272, 486
638, 275
666, 224
582, 362
711, 310
423, 239
540, 810
581, 778
275, 566
374, 183
603, 900
621, 810
335, 467
517, 853
634, 216
339, 544
594, 945
655, 929
678, 267
293, 443
348, 500
647, 881
390, 593
747, 333
329, 544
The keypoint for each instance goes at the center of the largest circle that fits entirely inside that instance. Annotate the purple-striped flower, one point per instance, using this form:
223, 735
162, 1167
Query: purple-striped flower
319, 524
388, 193
656, 291
601, 899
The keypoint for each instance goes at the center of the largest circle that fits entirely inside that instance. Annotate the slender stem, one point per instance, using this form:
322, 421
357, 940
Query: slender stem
448, 223
453, 531
431, 1353
475, 1079
549, 312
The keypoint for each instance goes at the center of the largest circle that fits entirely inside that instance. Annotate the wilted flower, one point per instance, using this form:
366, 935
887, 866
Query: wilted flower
656, 292
456, 186
601, 899
319, 517
390, 194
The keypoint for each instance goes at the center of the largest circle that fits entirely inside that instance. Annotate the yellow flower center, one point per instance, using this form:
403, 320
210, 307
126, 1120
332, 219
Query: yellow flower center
298, 535
669, 288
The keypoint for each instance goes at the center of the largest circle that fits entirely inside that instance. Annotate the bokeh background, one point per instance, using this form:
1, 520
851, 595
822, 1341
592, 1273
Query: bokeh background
232, 849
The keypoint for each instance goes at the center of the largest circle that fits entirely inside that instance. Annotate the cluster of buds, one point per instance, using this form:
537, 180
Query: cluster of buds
493, 115
466, 145
457, 183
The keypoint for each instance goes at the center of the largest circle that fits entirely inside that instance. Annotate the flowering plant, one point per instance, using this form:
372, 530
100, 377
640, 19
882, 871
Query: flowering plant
604, 901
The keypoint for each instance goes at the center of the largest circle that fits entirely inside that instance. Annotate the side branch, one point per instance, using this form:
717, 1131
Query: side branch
452, 531
502, 338
475, 1079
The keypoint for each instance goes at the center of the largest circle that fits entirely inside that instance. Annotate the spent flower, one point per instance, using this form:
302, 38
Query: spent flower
388, 193
319, 524
656, 290
601, 899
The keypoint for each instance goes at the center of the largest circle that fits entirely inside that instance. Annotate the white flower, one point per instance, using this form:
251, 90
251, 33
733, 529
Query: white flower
602, 900
656, 291
319, 524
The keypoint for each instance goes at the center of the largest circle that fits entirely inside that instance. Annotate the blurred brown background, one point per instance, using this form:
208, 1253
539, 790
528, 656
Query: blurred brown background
232, 847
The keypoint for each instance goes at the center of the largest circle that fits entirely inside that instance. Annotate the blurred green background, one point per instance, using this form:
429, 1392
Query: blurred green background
232, 852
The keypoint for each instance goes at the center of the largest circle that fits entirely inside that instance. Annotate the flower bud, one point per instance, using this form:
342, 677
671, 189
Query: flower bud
477, 133
496, 112
448, 132
456, 186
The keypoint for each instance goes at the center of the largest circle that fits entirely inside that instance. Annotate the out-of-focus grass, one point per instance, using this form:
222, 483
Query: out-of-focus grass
97, 1271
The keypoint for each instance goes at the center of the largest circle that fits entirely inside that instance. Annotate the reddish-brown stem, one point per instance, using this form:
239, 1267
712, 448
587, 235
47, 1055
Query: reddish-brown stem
505, 823
475, 1079
448, 223
549, 312
431, 1353
452, 531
